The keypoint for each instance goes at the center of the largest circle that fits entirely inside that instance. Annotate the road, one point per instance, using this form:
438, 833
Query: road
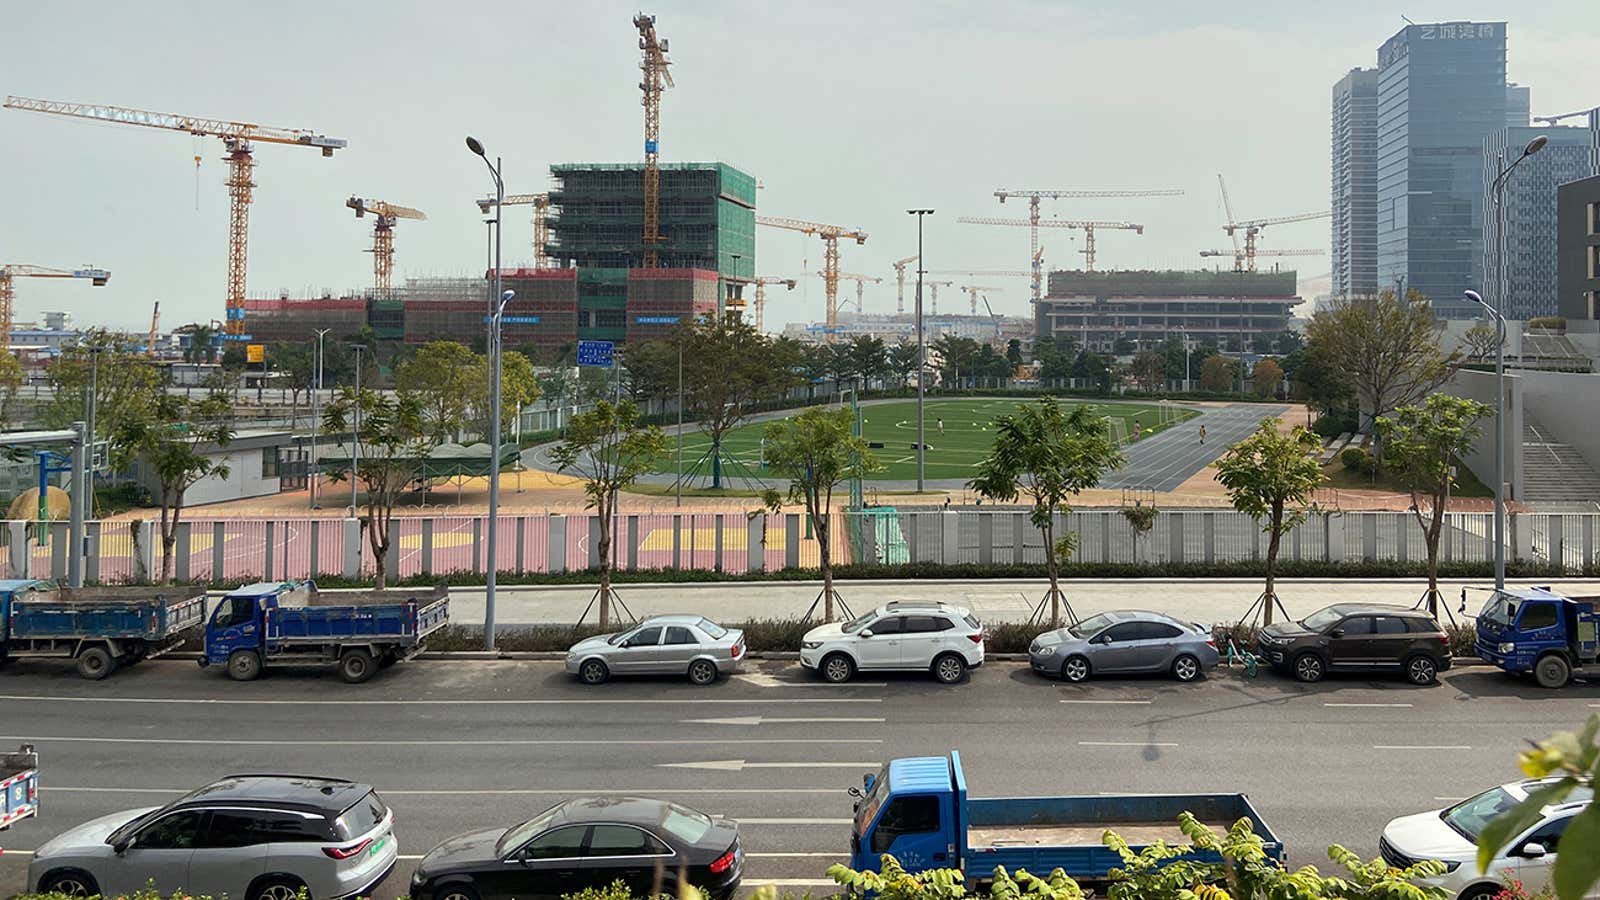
457, 745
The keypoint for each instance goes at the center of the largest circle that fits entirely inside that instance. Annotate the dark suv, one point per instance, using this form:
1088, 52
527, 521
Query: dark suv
1358, 637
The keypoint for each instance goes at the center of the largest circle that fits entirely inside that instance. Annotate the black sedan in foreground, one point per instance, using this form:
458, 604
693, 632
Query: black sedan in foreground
586, 843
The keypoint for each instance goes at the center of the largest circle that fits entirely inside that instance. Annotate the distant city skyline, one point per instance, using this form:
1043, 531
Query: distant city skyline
845, 114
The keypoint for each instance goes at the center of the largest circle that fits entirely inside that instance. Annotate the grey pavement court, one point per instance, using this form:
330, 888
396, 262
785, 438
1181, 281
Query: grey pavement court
1171, 457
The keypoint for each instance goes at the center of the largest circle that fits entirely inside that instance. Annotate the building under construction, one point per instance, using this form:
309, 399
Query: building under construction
1095, 309
283, 320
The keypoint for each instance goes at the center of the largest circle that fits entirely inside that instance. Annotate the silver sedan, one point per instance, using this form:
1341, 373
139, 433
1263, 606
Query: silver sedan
693, 646
1124, 642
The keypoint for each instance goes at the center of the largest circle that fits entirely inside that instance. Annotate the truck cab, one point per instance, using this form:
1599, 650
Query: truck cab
1536, 630
908, 809
239, 621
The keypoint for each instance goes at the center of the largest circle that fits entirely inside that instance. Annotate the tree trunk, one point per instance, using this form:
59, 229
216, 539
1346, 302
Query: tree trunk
1053, 569
1270, 598
604, 545
825, 555
1435, 529
380, 547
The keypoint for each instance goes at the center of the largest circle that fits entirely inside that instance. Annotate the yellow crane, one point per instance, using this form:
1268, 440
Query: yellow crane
830, 235
971, 290
761, 282
155, 323
1033, 198
541, 231
1034, 225
656, 79
11, 271
861, 282
900, 282
1245, 258
238, 138
385, 215
1239, 260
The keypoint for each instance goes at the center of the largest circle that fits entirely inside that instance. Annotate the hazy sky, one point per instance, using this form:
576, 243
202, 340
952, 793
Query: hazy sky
848, 113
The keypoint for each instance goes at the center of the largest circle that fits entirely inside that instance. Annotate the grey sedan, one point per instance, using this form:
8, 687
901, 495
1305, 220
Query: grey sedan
1122, 642
660, 645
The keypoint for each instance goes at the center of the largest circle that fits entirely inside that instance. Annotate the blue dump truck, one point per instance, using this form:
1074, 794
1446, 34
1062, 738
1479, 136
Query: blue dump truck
294, 624
917, 810
100, 628
1536, 630
19, 786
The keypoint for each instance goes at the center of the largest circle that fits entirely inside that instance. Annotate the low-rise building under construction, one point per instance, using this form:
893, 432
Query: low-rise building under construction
1096, 309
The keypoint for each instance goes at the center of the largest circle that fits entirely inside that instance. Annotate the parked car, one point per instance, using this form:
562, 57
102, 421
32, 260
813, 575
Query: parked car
585, 843
254, 837
660, 645
1358, 637
1451, 836
904, 635
1124, 641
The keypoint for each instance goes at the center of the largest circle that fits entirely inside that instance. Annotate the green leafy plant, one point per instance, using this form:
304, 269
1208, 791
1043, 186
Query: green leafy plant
1570, 759
1356, 458
893, 882
1271, 476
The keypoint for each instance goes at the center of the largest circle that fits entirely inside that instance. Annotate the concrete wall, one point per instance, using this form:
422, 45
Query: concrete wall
244, 478
1481, 386
1567, 405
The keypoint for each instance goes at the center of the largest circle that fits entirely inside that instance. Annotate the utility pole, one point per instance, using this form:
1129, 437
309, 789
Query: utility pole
316, 415
922, 356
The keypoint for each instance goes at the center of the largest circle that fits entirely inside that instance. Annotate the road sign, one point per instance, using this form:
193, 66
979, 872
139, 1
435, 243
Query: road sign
596, 353
236, 337
514, 320
255, 353
656, 320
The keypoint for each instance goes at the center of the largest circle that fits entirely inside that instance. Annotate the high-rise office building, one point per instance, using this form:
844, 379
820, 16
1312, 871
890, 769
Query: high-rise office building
1519, 105
1578, 248
1528, 215
1354, 183
1441, 91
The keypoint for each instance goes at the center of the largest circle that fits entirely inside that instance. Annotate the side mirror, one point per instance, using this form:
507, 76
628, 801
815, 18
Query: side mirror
866, 632
1337, 632
121, 847
1532, 850
866, 780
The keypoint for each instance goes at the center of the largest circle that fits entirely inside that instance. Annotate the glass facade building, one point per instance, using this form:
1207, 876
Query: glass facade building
1441, 91
1528, 215
1354, 184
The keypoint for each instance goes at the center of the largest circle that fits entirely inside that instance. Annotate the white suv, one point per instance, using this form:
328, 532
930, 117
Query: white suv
903, 635
1451, 837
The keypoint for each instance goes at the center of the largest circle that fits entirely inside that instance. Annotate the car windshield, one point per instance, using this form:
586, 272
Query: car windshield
1322, 618
517, 835
1091, 625
1469, 817
685, 824
712, 629
867, 809
859, 622
1499, 609
129, 828
612, 639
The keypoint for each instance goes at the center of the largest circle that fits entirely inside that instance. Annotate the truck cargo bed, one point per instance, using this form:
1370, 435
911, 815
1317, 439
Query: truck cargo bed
119, 613
1135, 833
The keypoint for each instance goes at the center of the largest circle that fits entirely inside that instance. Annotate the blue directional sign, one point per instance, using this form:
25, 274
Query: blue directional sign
596, 353
236, 337
656, 320
514, 320
235, 312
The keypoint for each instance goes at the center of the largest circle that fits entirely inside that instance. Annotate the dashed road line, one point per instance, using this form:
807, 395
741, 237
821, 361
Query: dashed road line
1421, 747
1369, 705
1111, 702
1112, 743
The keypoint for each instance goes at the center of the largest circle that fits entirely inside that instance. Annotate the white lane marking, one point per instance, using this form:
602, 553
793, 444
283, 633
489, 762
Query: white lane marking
762, 679
1112, 702
1370, 705
790, 882
1421, 747
573, 702
1088, 743
829, 854
480, 792
803, 821
738, 765
451, 743
778, 720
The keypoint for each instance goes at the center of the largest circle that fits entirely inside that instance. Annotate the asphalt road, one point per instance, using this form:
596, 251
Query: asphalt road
457, 745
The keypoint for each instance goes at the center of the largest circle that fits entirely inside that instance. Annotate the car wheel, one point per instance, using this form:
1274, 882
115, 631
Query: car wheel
95, 663
455, 892
1552, 671
837, 668
357, 665
277, 889
1422, 670
1075, 669
1480, 892
593, 671
71, 883
949, 669
702, 672
1186, 667
1308, 667
244, 665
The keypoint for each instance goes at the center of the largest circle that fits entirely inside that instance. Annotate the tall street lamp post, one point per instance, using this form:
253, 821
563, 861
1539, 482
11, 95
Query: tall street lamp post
496, 305
355, 436
922, 354
316, 415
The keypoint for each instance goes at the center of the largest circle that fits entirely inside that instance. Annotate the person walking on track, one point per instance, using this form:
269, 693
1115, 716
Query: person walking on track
1202, 434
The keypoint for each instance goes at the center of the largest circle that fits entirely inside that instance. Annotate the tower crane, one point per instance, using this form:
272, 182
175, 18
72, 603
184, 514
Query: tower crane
830, 235
934, 291
1238, 255
656, 79
155, 322
900, 282
238, 138
1245, 260
385, 215
1033, 219
541, 232
10, 271
972, 290
761, 282
1556, 119
1034, 224
861, 283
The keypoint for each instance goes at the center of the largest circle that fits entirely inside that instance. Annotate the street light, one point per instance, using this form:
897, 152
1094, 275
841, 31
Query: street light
1499, 438
476, 147
922, 352
316, 414
355, 436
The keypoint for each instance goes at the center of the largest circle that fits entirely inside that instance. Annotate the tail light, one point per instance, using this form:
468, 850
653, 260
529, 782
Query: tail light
976, 638
722, 863
1212, 643
33, 792
346, 852
738, 650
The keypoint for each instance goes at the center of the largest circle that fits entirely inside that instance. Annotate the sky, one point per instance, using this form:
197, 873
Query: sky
848, 112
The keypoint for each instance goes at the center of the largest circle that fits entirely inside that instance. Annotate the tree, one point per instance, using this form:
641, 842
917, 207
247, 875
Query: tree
653, 370
870, 356
168, 434
126, 383
903, 359
1123, 346
1571, 760
1014, 352
607, 450
1051, 454
841, 364
1480, 342
296, 364
11, 378
816, 450
1313, 381
519, 387
1093, 368
1386, 349
1420, 446
1272, 475
727, 370
396, 436
202, 347
1217, 374
956, 356
444, 377
1266, 376
1149, 370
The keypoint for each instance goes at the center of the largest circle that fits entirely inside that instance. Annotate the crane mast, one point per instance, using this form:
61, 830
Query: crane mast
541, 230
385, 215
1035, 253
900, 282
656, 79
830, 235
761, 282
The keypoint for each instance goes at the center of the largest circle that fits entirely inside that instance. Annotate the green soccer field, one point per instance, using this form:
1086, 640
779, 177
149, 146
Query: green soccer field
953, 450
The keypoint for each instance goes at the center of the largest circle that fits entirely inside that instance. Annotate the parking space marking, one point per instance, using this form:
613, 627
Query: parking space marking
1103, 743
217, 742
198, 701
1112, 702
1370, 705
1421, 747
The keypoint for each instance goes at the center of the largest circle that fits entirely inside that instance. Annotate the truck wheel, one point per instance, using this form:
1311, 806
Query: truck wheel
837, 668
1552, 671
244, 665
702, 672
949, 669
357, 665
1421, 670
1308, 667
96, 663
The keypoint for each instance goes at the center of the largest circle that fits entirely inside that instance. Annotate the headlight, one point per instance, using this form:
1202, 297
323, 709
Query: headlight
1046, 651
1508, 647
810, 645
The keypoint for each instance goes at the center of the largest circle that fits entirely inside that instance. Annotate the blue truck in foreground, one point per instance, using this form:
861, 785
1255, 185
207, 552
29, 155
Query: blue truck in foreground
19, 786
918, 811
294, 624
99, 628
1534, 629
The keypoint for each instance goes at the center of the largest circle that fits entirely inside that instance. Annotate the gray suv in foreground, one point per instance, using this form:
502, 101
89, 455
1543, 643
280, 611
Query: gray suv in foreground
248, 837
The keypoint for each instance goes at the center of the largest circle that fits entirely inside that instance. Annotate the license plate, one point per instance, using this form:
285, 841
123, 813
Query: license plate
378, 845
